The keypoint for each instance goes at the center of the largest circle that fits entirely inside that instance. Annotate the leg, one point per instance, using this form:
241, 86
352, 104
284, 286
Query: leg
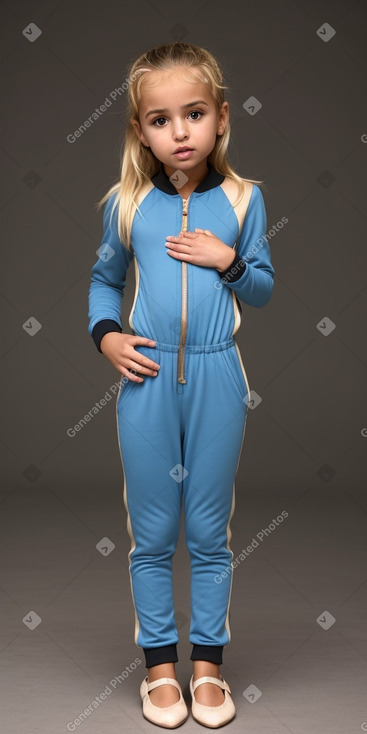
150, 446
214, 433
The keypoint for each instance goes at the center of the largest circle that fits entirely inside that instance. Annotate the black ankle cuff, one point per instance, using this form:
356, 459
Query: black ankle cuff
159, 655
212, 653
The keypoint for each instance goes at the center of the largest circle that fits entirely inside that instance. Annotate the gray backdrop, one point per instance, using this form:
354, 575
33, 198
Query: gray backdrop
297, 661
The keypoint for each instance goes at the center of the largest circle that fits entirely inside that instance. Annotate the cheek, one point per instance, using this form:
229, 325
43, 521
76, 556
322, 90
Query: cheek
156, 139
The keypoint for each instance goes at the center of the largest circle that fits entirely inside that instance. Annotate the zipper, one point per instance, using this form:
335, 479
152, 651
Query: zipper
183, 325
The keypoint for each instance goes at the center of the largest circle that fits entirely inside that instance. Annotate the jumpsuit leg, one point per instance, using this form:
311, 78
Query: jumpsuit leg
214, 427
148, 422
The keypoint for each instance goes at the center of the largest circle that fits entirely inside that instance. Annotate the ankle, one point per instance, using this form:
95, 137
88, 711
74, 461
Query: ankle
205, 667
164, 670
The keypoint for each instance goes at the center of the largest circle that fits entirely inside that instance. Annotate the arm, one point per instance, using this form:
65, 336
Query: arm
252, 276
108, 278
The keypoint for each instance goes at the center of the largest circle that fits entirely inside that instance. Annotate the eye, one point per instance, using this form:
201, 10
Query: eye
156, 120
193, 112
196, 112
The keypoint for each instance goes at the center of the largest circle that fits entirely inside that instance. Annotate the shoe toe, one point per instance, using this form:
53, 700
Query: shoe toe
166, 716
213, 716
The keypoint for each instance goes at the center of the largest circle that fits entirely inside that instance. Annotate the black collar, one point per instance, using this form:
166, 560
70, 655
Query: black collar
212, 179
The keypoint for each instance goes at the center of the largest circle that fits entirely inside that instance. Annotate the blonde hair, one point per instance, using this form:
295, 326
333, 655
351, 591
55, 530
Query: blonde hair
138, 163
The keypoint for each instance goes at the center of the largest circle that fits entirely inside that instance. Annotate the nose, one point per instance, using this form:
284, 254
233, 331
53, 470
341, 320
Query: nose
179, 129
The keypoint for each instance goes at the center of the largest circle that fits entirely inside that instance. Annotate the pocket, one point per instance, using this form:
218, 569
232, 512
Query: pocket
234, 369
125, 386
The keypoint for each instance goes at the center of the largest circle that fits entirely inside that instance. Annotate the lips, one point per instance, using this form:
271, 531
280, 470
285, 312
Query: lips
182, 150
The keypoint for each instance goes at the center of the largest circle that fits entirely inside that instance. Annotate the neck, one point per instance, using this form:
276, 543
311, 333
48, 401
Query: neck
194, 175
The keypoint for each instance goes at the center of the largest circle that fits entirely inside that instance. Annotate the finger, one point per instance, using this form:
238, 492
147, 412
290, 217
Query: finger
174, 238
141, 363
142, 340
204, 231
178, 249
180, 237
136, 374
181, 256
130, 375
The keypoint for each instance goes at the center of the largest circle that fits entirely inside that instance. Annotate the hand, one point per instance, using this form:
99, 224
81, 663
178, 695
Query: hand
201, 247
119, 349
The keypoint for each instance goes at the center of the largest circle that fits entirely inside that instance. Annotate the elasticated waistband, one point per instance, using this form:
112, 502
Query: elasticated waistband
192, 348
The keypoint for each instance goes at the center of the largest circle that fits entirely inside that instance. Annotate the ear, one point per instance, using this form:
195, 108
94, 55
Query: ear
136, 125
223, 118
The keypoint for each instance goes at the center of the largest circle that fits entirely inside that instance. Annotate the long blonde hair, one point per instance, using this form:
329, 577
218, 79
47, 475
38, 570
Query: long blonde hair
138, 163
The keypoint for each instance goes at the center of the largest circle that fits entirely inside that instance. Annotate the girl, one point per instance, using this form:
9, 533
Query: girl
196, 232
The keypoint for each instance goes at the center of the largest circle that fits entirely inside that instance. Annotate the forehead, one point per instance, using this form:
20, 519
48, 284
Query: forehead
159, 88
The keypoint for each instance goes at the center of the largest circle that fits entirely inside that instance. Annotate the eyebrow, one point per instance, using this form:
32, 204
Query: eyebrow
184, 106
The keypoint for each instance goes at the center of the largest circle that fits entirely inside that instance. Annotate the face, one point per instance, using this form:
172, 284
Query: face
175, 113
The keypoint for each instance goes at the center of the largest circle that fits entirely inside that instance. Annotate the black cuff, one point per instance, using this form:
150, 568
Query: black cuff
103, 327
240, 267
159, 655
212, 653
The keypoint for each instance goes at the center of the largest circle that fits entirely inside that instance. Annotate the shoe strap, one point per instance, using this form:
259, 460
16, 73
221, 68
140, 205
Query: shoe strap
163, 681
210, 679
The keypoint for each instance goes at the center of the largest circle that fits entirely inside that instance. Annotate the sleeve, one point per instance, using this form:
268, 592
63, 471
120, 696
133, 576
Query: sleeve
251, 274
108, 278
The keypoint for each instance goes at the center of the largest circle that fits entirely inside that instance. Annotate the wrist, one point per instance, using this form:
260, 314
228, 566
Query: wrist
103, 327
226, 260
107, 337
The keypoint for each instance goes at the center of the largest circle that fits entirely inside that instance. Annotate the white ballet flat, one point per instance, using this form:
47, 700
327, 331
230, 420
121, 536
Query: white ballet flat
167, 716
212, 716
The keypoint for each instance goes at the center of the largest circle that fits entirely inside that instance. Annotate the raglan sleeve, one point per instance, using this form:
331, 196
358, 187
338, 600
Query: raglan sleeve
108, 279
251, 274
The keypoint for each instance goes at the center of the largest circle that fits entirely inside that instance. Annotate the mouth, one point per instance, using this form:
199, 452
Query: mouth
183, 153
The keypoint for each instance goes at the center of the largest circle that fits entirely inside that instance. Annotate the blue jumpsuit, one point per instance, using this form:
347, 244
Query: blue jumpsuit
180, 433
